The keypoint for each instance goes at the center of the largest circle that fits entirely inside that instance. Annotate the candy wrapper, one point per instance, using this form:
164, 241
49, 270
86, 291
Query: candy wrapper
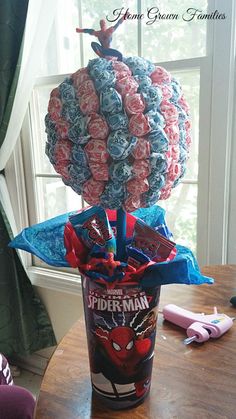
152, 244
93, 228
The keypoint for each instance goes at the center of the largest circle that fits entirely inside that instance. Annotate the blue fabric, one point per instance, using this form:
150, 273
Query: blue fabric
183, 269
153, 216
46, 240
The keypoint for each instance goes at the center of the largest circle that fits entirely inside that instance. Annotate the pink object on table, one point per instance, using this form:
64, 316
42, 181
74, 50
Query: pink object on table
199, 326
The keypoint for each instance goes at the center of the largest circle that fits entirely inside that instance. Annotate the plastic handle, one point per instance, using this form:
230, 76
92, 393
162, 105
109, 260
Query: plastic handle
180, 316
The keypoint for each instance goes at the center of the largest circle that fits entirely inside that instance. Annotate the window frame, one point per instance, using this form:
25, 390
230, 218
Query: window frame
215, 155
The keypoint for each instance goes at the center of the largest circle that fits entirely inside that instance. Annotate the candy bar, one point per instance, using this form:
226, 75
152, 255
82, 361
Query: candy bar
93, 228
150, 242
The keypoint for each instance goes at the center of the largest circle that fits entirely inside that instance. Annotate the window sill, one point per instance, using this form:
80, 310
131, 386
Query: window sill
55, 280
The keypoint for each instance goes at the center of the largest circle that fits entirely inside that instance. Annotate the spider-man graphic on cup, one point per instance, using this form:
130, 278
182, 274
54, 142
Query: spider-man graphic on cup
124, 354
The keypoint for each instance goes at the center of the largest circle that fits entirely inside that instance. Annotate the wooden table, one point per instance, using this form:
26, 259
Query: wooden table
188, 382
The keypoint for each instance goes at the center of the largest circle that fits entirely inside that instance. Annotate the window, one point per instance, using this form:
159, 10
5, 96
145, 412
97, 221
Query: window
192, 50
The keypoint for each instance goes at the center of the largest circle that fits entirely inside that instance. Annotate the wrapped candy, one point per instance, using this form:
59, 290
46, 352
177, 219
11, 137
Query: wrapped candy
62, 128
143, 81
114, 193
110, 101
141, 168
66, 90
141, 149
121, 171
160, 76
100, 171
97, 127
126, 85
96, 151
139, 125
169, 112
158, 141
62, 150
92, 190
136, 186
139, 66
120, 144
121, 69
133, 202
93, 228
152, 97
85, 88
134, 103
54, 108
79, 77
89, 103
118, 121
78, 177
119, 132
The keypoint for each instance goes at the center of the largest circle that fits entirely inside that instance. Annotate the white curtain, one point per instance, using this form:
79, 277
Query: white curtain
6, 203
39, 21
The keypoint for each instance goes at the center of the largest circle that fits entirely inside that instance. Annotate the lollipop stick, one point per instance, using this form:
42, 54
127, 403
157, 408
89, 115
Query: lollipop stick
121, 234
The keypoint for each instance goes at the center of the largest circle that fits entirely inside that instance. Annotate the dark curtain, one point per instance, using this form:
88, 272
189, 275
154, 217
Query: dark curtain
12, 23
24, 324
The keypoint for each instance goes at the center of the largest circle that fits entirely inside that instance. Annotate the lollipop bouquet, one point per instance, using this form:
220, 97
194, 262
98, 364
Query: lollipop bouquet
118, 132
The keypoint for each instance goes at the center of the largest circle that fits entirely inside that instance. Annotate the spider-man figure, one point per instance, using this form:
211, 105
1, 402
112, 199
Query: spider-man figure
104, 36
124, 358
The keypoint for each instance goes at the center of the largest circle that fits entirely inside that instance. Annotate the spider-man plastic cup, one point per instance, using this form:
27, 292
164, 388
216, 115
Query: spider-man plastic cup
121, 330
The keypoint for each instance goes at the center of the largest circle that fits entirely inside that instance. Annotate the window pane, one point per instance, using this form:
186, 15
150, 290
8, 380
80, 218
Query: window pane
181, 214
190, 82
62, 54
54, 198
169, 40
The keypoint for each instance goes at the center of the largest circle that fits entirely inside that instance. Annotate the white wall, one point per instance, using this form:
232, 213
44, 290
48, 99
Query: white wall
64, 310
232, 194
